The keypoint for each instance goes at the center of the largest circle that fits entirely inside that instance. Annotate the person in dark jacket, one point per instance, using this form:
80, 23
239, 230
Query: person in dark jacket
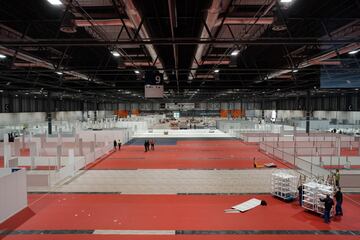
146, 144
119, 144
152, 143
115, 144
339, 200
328, 203
300, 189
337, 177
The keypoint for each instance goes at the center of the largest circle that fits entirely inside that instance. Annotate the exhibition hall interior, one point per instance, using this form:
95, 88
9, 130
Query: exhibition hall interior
179, 119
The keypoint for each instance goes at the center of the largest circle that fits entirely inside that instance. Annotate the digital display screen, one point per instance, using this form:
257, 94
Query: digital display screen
337, 77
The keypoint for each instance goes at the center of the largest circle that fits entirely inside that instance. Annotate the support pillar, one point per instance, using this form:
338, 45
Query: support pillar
49, 120
48, 114
308, 112
95, 111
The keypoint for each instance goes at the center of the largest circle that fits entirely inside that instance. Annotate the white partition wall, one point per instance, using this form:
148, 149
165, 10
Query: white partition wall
13, 195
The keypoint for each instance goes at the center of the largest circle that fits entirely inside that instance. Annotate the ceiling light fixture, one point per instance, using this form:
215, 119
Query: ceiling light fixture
216, 70
115, 53
285, 1
354, 51
137, 71
2, 56
295, 70
55, 2
68, 23
59, 73
235, 52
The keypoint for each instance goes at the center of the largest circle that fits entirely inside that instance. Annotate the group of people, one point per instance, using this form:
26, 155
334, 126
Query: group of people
149, 143
11, 137
329, 203
328, 200
117, 144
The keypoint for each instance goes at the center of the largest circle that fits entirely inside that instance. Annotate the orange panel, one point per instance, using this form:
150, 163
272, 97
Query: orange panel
223, 113
135, 112
236, 113
122, 113
24, 152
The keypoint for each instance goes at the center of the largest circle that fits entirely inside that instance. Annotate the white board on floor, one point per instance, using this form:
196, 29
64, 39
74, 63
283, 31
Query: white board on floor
245, 206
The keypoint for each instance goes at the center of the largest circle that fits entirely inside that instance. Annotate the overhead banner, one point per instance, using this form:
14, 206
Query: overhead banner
154, 87
153, 78
154, 91
336, 77
180, 106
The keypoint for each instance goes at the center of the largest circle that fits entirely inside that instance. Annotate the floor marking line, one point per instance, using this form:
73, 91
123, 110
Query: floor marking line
135, 232
180, 232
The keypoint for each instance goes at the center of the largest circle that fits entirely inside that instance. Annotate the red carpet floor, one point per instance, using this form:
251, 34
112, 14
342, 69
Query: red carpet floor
348, 152
341, 167
181, 237
220, 154
170, 212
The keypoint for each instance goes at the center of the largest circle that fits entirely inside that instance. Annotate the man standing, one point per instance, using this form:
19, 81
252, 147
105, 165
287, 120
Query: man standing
115, 145
146, 145
339, 200
300, 189
152, 142
119, 145
328, 203
337, 178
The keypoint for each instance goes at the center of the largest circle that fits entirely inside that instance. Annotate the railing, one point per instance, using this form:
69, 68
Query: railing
307, 168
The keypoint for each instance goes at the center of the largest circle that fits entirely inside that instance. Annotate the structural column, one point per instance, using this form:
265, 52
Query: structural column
48, 114
308, 112
95, 111
83, 109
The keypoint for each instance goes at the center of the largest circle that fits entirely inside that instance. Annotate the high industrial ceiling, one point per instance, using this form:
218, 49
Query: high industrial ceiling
207, 50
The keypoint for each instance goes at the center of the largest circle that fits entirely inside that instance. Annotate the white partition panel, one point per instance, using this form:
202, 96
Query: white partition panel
13, 197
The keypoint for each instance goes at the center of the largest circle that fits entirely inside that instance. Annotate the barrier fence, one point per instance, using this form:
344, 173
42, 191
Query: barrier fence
307, 168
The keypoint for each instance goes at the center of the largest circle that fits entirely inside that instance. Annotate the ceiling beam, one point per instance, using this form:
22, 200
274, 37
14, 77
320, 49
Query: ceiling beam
177, 41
